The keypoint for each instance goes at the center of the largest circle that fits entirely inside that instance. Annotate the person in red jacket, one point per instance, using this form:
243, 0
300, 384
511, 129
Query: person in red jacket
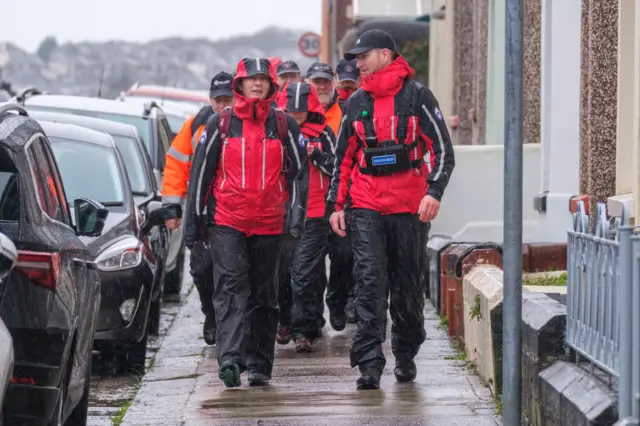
395, 147
300, 100
249, 168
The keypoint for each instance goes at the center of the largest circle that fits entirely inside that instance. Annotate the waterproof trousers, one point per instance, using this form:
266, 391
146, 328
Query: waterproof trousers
306, 285
386, 254
287, 249
340, 284
245, 297
201, 265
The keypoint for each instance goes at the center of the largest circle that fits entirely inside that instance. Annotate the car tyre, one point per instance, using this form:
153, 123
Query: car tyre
154, 316
173, 279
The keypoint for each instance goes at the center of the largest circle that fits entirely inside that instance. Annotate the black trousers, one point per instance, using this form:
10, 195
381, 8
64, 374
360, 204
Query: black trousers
387, 264
201, 265
245, 297
287, 249
307, 283
341, 284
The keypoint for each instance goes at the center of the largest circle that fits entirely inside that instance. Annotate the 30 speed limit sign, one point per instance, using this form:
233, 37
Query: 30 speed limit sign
309, 44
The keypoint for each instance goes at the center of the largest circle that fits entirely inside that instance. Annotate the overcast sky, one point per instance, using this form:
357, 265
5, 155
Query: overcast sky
27, 22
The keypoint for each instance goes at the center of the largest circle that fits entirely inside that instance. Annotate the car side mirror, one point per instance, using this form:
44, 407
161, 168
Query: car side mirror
154, 217
90, 217
157, 174
8, 256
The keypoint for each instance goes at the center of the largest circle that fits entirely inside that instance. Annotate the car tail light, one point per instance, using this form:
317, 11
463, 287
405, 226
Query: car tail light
41, 268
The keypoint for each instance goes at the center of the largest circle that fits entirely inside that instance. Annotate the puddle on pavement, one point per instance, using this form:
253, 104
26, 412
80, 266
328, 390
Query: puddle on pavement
109, 394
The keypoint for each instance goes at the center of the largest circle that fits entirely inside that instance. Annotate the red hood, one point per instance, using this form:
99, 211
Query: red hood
275, 63
251, 108
308, 101
388, 81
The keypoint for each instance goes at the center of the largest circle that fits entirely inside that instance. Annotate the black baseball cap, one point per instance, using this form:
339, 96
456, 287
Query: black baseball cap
347, 70
288, 67
371, 39
320, 70
221, 85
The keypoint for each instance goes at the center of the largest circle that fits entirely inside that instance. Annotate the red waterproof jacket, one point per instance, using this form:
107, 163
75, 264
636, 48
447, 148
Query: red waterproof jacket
302, 97
401, 110
249, 180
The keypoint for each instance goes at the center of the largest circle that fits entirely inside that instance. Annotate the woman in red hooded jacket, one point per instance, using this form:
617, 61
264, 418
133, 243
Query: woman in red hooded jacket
300, 100
249, 168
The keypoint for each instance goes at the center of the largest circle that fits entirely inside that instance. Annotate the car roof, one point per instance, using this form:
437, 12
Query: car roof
16, 127
157, 90
77, 133
98, 124
85, 103
168, 107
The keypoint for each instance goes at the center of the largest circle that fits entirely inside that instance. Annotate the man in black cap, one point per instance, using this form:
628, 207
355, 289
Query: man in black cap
288, 72
347, 78
174, 189
396, 133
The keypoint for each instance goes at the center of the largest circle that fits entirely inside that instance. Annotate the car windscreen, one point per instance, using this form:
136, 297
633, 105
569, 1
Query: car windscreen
135, 164
88, 171
140, 123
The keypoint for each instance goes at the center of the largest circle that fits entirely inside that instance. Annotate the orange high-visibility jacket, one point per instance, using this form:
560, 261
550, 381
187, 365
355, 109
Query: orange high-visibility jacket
334, 116
178, 159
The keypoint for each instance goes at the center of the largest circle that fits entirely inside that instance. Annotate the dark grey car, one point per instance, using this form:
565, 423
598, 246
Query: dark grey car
50, 301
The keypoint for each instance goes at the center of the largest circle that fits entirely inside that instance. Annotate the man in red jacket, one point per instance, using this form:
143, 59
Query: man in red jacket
250, 166
388, 130
300, 100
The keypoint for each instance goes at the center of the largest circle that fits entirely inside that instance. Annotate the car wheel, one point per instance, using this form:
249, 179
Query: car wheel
78, 416
154, 316
173, 279
123, 357
133, 356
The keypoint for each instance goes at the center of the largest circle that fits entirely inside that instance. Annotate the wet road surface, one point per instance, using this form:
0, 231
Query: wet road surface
110, 397
182, 388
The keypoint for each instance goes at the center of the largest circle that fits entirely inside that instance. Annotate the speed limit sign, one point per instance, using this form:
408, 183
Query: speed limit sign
309, 44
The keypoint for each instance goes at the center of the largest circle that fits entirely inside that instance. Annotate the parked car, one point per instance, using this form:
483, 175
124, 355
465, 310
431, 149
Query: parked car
8, 258
50, 301
154, 130
176, 112
91, 166
151, 92
141, 177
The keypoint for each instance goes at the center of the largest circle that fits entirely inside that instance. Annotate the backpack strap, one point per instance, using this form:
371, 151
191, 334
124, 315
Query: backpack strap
224, 124
201, 118
283, 125
366, 113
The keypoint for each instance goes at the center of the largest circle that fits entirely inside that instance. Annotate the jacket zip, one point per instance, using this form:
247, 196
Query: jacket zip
413, 138
224, 171
264, 160
281, 163
243, 162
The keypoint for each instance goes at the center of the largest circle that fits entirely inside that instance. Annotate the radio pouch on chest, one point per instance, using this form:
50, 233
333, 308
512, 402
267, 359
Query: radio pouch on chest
386, 158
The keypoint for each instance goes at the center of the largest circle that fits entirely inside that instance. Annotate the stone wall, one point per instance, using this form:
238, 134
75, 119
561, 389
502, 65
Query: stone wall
598, 99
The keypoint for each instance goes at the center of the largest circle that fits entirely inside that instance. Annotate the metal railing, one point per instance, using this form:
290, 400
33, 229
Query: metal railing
603, 301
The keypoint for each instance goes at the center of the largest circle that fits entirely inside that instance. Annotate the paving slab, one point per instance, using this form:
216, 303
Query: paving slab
182, 387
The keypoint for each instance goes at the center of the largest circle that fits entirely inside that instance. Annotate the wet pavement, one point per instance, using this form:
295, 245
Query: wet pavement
182, 387
110, 397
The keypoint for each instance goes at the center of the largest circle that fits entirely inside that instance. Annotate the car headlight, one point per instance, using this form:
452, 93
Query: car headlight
124, 254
